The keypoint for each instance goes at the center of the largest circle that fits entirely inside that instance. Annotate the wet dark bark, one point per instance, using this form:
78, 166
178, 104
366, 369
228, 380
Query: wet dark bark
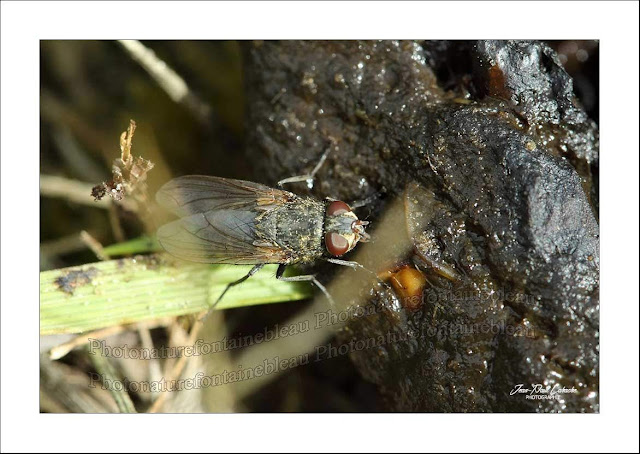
501, 160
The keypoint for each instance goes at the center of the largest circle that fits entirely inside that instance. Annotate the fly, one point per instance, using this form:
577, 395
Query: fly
226, 221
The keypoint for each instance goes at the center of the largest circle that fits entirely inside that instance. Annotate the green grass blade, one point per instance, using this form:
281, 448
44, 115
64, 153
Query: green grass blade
141, 245
113, 292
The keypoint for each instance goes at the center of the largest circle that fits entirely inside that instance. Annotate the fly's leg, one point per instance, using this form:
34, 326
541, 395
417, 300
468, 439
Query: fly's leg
355, 265
251, 272
304, 278
349, 263
364, 202
309, 176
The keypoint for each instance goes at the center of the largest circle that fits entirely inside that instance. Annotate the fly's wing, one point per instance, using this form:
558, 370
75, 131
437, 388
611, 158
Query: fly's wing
193, 194
219, 223
219, 236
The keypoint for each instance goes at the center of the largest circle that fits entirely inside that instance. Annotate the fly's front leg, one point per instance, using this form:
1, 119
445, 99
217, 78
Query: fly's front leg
348, 263
355, 265
309, 176
364, 202
304, 278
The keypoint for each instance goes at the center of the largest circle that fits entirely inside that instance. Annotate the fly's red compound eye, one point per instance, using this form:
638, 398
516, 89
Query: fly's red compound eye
337, 207
336, 243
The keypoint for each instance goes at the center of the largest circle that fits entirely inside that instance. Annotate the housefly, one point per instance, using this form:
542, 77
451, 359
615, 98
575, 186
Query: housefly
237, 222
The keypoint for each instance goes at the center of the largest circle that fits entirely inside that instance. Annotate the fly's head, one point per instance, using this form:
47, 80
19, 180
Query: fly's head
343, 229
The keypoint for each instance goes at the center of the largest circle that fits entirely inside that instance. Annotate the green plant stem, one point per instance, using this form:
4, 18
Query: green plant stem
113, 292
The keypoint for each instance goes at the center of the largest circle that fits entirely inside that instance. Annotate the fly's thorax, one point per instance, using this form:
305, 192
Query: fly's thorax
296, 227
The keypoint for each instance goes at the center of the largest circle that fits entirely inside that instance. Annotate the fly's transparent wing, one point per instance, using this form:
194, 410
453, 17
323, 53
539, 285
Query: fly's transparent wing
219, 236
193, 194
219, 217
